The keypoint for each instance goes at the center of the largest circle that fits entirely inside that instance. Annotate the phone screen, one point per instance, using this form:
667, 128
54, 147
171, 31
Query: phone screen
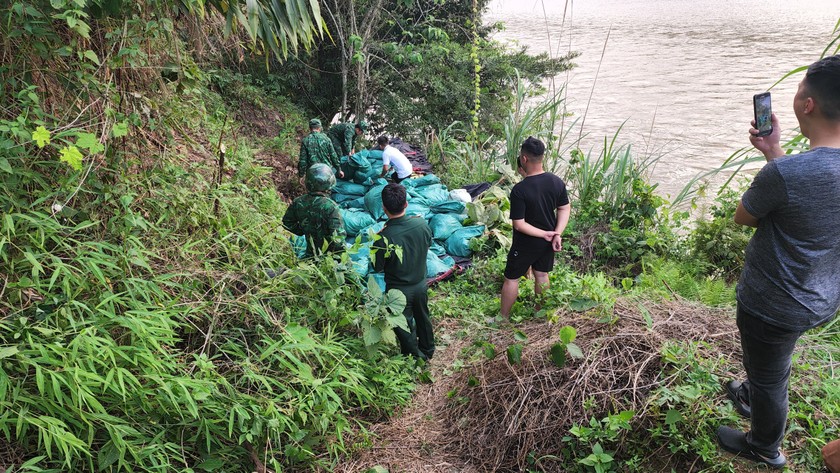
761, 103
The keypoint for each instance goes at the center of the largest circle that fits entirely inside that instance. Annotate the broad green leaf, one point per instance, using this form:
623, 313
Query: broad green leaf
574, 350
89, 142
119, 129
489, 351
672, 417
558, 355
377, 469
5, 166
93, 57
373, 288
397, 320
372, 335
82, 28
394, 301
582, 304
568, 334
6, 352
388, 336
514, 354
71, 156
519, 335
41, 136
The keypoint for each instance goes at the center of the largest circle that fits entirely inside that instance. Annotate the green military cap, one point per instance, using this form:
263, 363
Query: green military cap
314, 123
362, 125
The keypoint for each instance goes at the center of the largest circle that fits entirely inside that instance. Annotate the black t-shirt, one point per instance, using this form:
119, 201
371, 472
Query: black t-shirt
536, 199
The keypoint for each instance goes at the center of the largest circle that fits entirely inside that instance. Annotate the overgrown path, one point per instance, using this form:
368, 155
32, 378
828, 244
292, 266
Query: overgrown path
467, 420
416, 439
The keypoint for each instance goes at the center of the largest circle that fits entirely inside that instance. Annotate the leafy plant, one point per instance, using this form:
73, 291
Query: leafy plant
720, 242
559, 350
383, 312
607, 431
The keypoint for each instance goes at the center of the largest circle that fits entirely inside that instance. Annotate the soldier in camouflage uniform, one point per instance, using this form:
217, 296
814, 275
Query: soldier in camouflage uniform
317, 148
315, 215
343, 136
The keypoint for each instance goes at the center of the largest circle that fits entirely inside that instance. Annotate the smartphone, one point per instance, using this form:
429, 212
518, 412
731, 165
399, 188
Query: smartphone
762, 111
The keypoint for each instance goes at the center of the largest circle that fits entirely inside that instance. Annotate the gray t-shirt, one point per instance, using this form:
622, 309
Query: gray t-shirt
791, 276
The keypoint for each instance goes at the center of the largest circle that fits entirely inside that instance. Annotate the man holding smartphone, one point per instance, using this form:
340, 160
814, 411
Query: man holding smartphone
789, 282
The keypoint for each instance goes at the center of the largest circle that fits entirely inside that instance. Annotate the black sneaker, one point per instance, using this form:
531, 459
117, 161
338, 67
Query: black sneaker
739, 394
735, 441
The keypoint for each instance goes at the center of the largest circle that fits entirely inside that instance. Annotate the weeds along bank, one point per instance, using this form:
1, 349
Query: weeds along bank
139, 330
646, 392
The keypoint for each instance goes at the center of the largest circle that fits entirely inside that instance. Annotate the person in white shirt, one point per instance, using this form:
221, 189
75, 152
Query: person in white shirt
392, 157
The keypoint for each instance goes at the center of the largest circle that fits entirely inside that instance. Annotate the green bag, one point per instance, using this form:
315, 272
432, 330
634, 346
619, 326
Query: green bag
444, 225
356, 220
373, 202
458, 244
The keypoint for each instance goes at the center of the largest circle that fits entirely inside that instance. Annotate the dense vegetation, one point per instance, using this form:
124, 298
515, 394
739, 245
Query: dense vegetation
152, 314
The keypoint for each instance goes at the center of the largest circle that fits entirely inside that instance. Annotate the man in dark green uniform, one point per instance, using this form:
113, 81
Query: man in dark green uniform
343, 136
316, 147
315, 215
413, 235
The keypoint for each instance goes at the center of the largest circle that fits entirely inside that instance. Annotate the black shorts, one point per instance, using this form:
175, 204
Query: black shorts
520, 259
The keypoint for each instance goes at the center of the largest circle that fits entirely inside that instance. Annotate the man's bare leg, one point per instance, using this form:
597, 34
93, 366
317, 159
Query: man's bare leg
541, 283
510, 290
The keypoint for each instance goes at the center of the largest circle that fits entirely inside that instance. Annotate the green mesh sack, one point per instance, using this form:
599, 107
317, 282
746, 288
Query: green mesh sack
361, 260
367, 233
437, 249
373, 202
363, 177
426, 180
359, 161
434, 194
419, 209
435, 265
299, 245
444, 225
448, 207
349, 188
356, 220
458, 244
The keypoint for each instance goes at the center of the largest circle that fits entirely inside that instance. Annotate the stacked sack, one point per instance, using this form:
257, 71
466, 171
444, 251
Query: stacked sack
359, 195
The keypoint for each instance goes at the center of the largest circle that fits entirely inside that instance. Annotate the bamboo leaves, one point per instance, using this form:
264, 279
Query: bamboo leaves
281, 26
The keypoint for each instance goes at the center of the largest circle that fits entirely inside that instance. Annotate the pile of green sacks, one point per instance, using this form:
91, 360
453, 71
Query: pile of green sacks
359, 195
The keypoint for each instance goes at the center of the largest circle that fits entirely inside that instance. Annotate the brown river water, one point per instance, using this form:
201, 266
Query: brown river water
682, 73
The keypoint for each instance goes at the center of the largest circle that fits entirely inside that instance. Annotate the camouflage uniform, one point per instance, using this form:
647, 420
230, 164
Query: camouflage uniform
315, 215
317, 148
343, 137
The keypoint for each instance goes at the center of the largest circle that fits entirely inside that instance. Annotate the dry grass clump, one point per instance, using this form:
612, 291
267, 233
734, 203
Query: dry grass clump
513, 411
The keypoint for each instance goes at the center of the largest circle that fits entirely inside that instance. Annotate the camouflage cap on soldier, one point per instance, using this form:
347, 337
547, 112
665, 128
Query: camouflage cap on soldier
362, 125
319, 178
314, 123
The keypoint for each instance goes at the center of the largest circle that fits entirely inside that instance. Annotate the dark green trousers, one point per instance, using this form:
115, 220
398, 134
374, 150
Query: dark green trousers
419, 341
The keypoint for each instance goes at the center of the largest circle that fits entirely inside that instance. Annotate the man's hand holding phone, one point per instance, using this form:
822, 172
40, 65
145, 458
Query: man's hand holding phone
769, 144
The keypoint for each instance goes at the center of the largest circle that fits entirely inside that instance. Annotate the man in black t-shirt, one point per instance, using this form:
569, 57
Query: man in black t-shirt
539, 209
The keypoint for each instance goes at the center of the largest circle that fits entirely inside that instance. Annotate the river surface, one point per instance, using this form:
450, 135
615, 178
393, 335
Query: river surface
682, 73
